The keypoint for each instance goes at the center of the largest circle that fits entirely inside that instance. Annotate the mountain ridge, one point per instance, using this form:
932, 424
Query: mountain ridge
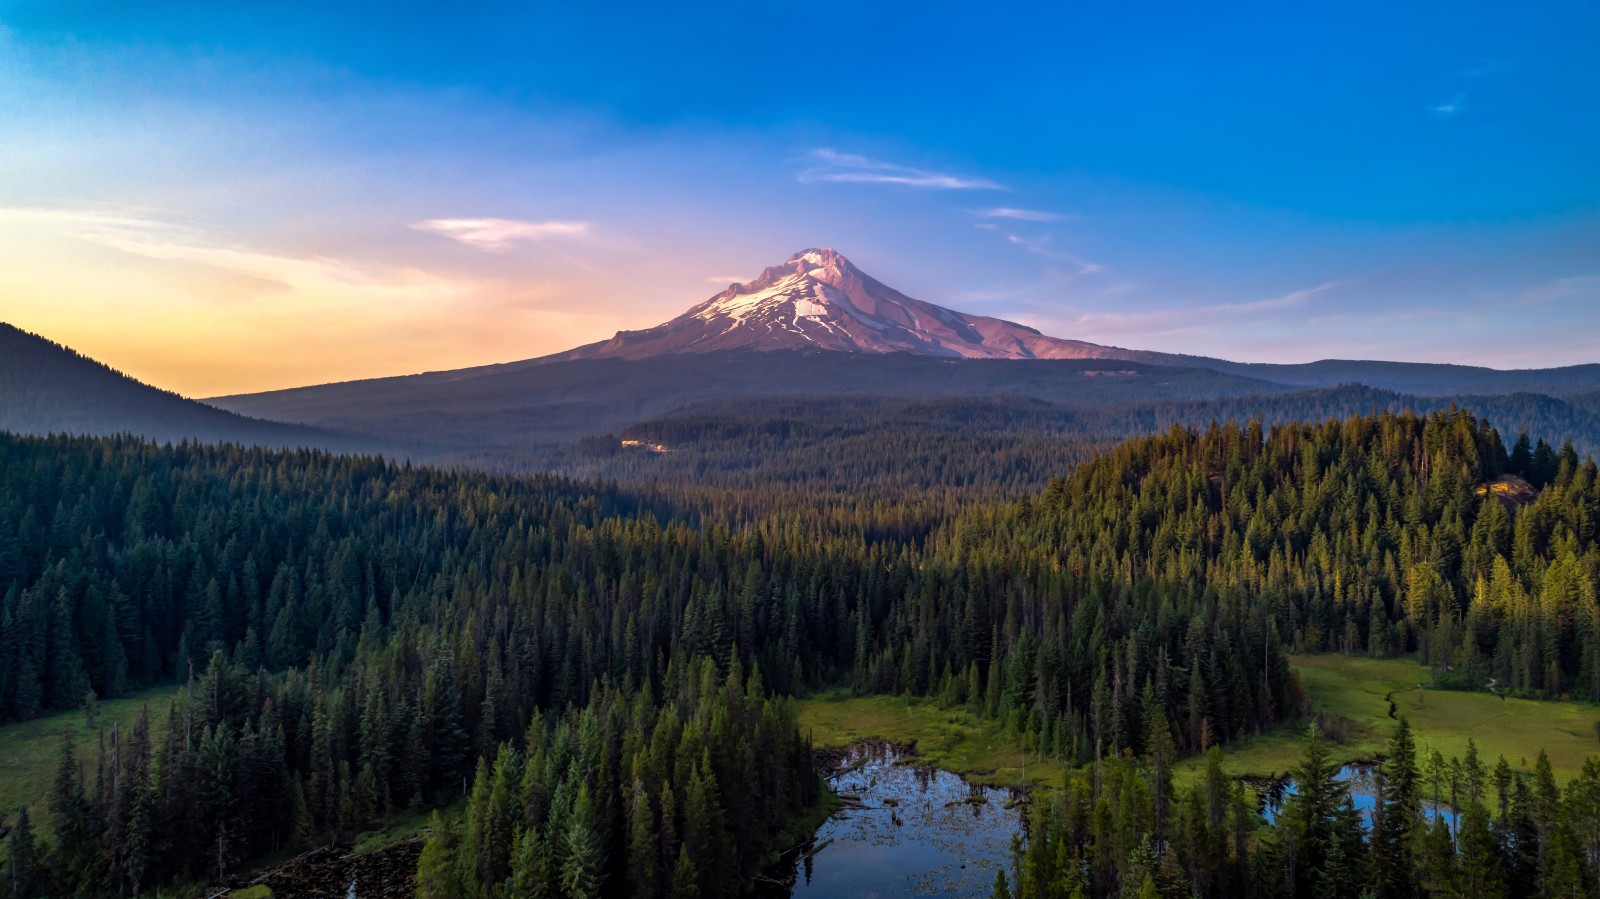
49, 388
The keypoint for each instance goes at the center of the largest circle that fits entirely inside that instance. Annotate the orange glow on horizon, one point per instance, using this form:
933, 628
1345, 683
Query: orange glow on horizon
209, 320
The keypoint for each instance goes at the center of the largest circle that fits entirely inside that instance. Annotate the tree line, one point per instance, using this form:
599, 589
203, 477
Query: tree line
359, 637
1436, 827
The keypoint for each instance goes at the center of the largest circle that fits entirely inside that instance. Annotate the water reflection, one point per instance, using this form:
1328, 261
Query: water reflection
906, 831
1362, 790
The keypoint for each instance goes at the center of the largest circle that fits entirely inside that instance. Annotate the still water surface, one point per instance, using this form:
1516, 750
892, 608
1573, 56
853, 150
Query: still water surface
917, 832
1359, 779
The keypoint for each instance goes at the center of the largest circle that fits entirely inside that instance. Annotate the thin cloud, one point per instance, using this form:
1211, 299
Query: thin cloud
1020, 215
1486, 67
1183, 318
725, 279
137, 234
1562, 289
1039, 245
1449, 109
1294, 298
498, 234
849, 168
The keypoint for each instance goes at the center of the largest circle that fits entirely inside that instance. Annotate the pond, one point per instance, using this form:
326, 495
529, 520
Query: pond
1362, 790
906, 831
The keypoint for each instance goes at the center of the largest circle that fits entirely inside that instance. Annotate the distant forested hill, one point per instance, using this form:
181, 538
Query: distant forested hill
1422, 378
892, 448
46, 388
521, 405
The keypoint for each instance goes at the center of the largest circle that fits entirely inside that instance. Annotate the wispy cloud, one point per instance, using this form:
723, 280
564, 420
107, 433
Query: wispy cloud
139, 234
724, 280
849, 168
499, 234
1293, 298
1451, 108
1486, 67
1191, 317
1020, 215
1039, 245
1562, 289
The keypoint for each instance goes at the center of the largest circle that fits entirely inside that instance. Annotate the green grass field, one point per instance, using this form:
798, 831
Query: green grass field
30, 750
1354, 690
953, 739
1351, 688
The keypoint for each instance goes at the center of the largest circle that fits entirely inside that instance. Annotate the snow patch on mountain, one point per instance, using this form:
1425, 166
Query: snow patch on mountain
810, 308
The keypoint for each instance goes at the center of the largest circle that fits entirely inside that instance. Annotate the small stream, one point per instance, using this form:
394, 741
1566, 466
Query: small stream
906, 831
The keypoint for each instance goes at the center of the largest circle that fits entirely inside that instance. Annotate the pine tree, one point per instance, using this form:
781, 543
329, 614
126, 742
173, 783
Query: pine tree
1309, 815
531, 876
1502, 788
301, 824
643, 851
139, 847
668, 837
22, 868
499, 834
474, 854
219, 780
447, 740
1335, 879
1162, 753
69, 813
1564, 873
1438, 861
583, 868
438, 874
1474, 773
1482, 874
685, 877
1394, 832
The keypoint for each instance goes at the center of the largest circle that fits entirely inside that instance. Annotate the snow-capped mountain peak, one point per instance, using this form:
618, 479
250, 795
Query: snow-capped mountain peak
819, 300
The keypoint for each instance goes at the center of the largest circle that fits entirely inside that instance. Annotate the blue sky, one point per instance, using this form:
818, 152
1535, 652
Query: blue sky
233, 199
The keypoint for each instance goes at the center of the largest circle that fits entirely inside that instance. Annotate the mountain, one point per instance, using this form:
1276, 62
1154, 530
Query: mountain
46, 388
820, 300
816, 326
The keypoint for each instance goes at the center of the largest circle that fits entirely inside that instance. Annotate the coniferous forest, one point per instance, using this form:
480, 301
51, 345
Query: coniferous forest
598, 683
759, 450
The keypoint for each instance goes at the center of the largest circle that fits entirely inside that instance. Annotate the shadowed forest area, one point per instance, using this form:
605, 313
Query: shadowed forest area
609, 678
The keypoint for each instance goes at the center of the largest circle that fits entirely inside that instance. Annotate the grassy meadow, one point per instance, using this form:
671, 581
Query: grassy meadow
949, 738
30, 750
1357, 692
